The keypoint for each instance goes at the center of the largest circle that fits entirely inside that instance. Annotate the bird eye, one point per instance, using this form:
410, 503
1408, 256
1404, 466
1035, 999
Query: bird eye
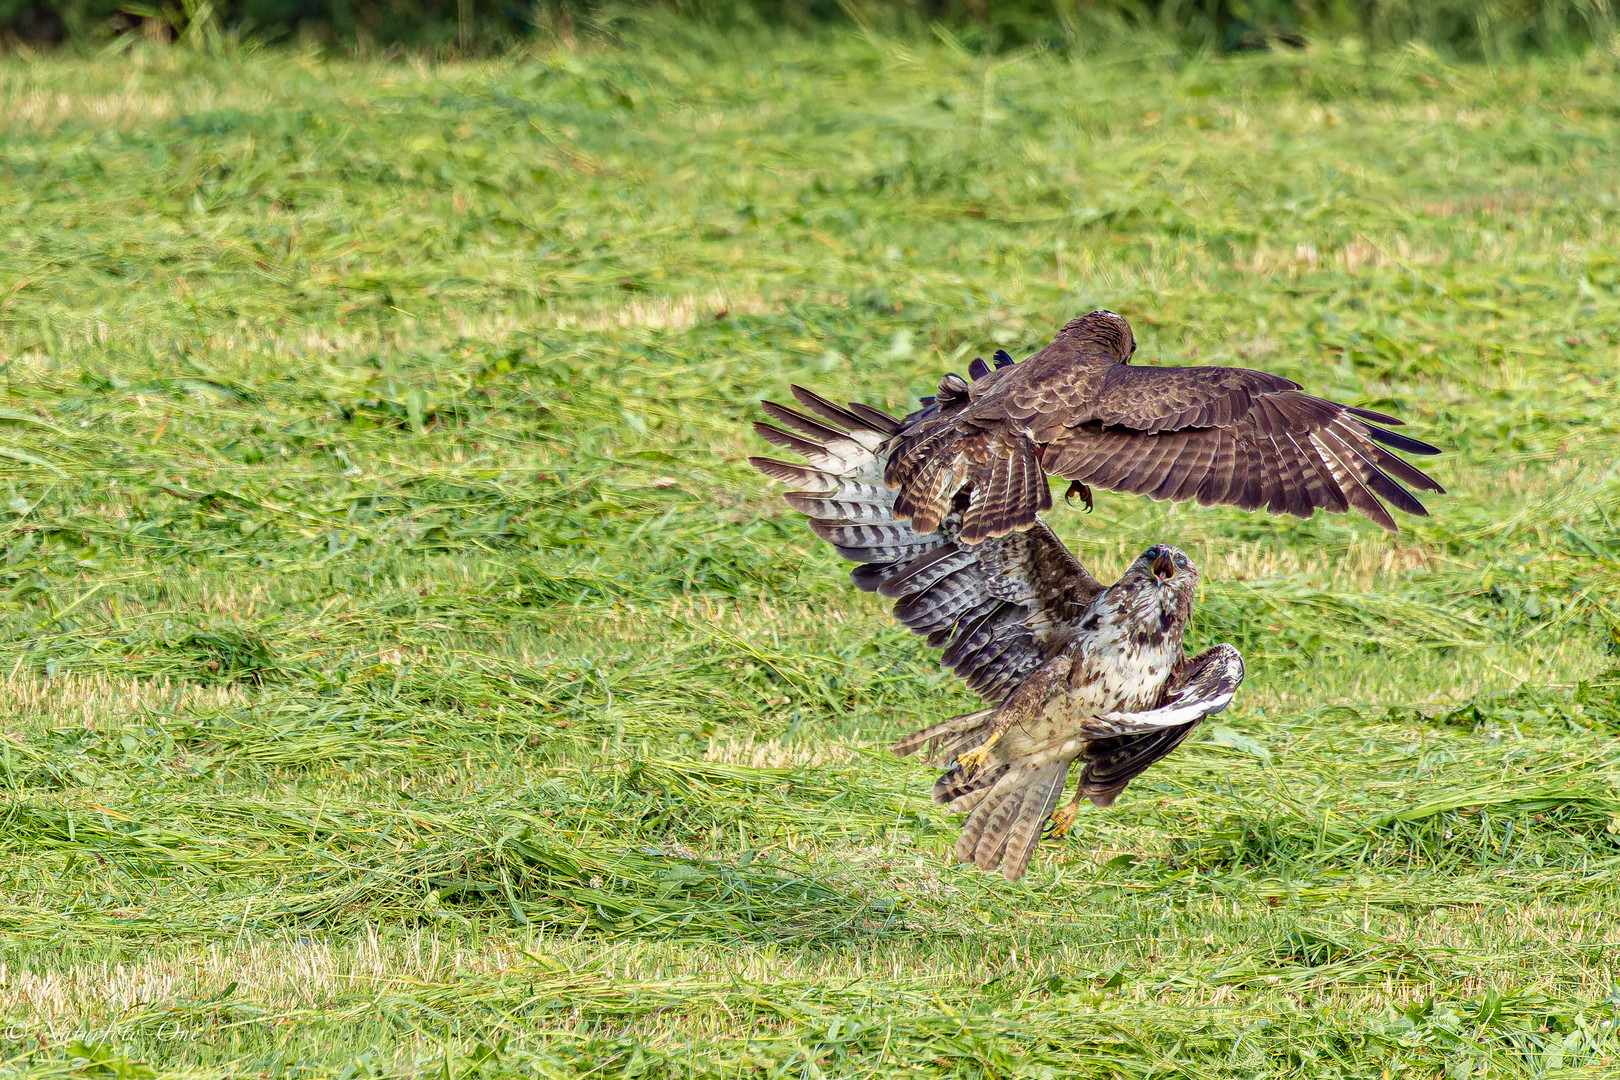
1181, 560
1152, 552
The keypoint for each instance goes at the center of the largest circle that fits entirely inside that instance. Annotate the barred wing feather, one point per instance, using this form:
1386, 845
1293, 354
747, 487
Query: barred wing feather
995, 608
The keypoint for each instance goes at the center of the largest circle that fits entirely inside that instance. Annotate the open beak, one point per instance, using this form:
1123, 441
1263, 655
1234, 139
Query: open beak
1164, 568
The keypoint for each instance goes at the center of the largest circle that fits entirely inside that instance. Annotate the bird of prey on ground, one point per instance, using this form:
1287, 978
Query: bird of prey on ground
1078, 410
1069, 670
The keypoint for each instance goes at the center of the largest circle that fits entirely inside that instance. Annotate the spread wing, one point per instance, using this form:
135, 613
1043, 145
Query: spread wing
995, 608
1219, 435
1132, 742
1242, 438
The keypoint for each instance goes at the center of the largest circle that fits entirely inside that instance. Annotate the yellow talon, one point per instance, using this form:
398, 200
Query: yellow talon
974, 759
1062, 820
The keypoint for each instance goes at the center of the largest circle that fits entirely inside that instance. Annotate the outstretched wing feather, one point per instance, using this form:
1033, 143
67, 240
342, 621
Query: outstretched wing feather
995, 607
1220, 435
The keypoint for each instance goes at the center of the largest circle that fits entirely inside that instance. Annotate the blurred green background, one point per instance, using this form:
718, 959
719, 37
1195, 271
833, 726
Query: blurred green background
1469, 29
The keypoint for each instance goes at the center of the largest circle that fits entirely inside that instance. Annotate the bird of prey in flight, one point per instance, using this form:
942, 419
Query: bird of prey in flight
1079, 410
1069, 671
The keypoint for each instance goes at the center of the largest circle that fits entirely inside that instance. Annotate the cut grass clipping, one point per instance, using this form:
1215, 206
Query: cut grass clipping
405, 674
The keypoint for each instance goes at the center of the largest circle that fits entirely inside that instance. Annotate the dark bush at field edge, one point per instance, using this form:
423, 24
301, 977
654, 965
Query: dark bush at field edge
1462, 29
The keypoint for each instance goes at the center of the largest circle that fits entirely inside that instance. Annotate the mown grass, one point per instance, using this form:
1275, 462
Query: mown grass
404, 673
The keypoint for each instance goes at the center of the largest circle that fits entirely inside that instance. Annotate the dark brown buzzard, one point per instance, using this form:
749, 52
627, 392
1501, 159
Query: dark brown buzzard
1069, 670
1077, 409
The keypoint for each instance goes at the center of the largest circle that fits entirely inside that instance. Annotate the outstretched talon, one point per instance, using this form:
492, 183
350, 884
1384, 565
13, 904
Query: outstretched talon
1062, 820
973, 760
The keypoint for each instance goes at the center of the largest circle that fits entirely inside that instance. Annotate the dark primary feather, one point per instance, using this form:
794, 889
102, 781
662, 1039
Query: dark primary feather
1077, 410
876, 419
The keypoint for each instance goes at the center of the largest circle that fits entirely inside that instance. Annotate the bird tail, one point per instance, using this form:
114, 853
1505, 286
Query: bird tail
1000, 469
963, 789
1005, 827
1007, 802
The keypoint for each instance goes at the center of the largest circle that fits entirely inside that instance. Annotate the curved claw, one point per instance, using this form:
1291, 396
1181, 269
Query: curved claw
972, 760
1061, 821
1077, 488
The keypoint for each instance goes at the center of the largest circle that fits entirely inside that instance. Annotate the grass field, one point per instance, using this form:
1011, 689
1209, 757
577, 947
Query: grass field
403, 673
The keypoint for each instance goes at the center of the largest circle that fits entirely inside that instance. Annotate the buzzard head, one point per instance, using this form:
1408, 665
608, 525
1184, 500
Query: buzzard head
1103, 335
1166, 567
1158, 590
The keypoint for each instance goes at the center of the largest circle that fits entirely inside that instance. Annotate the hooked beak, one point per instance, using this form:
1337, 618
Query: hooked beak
1164, 568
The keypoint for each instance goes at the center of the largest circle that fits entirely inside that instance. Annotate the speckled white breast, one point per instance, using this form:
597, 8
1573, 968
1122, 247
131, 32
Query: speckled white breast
1115, 668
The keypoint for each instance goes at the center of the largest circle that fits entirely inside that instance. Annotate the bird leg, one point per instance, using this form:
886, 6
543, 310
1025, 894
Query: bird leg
1062, 818
1077, 488
971, 760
